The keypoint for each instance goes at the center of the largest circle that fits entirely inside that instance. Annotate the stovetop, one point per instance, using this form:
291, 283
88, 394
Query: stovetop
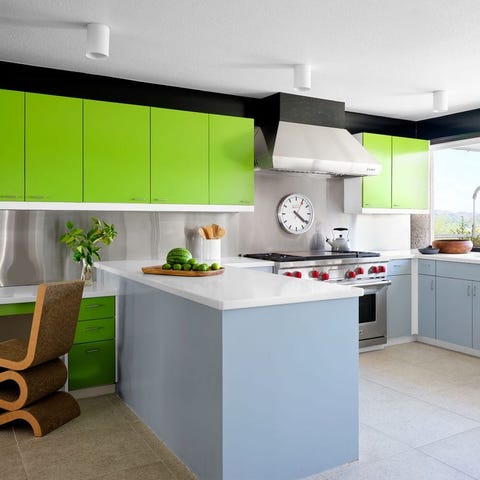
310, 255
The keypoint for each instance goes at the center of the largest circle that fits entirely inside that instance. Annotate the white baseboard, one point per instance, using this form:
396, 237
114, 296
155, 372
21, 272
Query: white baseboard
93, 391
399, 340
448, 346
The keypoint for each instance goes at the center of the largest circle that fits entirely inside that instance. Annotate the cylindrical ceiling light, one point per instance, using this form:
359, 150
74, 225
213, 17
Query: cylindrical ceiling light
440, 101
98, 41
302, 77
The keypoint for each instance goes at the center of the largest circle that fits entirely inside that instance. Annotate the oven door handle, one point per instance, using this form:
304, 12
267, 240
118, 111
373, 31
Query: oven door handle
383, 283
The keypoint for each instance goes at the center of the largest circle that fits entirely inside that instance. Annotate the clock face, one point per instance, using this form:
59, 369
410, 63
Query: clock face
295, 213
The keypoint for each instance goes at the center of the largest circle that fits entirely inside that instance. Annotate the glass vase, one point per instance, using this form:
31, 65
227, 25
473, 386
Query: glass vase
87, 273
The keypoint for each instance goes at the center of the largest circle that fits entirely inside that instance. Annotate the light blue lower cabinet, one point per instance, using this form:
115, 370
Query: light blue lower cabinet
426, 306
399, 306
454, 311
476, 315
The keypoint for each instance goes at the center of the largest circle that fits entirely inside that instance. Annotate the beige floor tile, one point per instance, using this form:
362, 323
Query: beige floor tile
409, 465
11, 466
154, 471
375, 445
461, 451
179, 470
462, 399
85, 454
411, 379
7, 437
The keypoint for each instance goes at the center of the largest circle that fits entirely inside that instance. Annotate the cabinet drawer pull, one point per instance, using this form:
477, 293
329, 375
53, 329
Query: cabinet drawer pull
94, 305
468, 290
474, 290
92, 350
137, 199
36, 196
160, 200
9, 196
432, 285
92, 329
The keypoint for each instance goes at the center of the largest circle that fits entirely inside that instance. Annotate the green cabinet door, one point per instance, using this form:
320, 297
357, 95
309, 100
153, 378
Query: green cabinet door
377, 190
179, 156
53, 148
91, 364
410, 173
116, 152
231, 160
12, 145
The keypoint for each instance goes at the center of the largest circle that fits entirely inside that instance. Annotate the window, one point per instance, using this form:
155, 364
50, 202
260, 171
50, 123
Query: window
456, 175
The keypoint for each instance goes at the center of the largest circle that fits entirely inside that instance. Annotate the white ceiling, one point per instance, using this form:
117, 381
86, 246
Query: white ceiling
383, 57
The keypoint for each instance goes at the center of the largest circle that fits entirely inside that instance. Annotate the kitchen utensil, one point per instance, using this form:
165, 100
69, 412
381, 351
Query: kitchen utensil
221, 232
201, 232
208, 229
453, 246
340, 243
429, 250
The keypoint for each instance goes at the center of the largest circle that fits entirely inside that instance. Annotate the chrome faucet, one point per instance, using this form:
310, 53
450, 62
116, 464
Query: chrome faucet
473, 216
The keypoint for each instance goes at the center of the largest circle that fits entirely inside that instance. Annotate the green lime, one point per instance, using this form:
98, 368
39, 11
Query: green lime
177, 266
215, 266
203, 267
187, 267
193, 261
195, 267
166, 266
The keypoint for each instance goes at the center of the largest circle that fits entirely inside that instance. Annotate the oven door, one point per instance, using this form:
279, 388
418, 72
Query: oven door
372, 314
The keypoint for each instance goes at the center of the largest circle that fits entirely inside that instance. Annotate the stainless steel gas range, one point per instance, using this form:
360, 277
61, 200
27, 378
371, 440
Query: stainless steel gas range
359, 269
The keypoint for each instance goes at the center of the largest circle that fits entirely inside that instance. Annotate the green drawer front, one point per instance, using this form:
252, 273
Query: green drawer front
91, 364
95, 330
16, 308
99, 307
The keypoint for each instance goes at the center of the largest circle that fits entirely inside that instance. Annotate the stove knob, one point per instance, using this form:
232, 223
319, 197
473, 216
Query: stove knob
374, 269
360, 271
288, 274
382, 269
351, 274
325, 276
297, 274
315, 273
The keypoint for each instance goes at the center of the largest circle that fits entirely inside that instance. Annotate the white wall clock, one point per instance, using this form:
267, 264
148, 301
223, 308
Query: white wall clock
295, 213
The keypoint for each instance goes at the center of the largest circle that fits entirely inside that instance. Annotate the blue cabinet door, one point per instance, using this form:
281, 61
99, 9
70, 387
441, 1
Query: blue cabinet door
399, 307
426, 305
476, 315
454, 308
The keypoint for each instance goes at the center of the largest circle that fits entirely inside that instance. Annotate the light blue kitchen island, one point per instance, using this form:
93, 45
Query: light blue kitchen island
244, 375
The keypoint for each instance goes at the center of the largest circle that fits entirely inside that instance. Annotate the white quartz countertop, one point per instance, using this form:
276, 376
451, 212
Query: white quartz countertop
471, 257
28, 293
235, 288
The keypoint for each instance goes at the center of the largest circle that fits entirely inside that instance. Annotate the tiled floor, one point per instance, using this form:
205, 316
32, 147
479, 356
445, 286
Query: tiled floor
107, 442
419, 416
419, 419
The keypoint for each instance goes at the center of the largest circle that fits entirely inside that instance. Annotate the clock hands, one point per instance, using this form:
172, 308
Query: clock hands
300, 217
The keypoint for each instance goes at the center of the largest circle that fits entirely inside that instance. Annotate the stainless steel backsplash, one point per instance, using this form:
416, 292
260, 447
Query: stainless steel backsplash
31, 253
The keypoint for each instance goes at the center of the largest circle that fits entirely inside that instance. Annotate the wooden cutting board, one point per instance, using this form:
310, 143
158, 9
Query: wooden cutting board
157, 270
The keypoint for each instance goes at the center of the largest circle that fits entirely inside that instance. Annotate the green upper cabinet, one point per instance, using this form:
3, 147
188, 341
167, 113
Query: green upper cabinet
403, 183
179, 156
12, 145
53, 148
116, 152
410, 174
377, 190
231, 160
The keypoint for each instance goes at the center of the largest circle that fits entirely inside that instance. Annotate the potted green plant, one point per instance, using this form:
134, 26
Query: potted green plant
85, 245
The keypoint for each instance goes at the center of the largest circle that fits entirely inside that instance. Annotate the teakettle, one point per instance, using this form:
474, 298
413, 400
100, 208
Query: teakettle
340, 243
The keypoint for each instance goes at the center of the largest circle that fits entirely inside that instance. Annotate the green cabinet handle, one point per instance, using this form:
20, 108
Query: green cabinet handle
92, 350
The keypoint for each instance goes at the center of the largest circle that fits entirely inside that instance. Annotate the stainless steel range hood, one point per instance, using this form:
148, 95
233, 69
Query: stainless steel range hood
303, 148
